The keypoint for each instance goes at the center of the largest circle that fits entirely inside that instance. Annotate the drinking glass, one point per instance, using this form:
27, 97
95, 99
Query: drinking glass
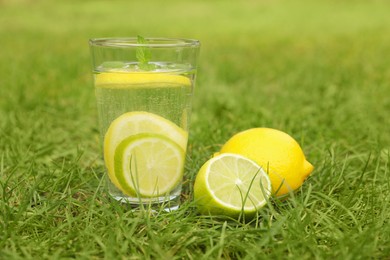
144, 89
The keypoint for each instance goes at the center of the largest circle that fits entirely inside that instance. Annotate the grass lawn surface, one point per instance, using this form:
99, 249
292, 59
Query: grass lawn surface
318, 70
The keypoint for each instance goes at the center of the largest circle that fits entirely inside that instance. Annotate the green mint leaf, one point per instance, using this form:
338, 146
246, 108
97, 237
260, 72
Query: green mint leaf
144, 55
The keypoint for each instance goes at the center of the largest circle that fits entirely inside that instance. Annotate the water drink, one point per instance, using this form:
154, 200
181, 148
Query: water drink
143, 91
165, 92
171, 100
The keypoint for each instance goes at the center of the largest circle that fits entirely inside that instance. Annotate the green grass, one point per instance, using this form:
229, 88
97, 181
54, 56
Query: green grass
318, 70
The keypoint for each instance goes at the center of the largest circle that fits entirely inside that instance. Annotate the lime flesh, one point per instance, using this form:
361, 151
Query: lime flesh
148, 165
230, 184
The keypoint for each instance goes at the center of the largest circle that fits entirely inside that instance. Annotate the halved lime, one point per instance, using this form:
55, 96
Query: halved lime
230, 184
133, 123
148, 165
152, 78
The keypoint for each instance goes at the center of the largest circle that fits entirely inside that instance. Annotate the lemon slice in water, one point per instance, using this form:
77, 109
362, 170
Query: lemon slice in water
134, 123
152, 78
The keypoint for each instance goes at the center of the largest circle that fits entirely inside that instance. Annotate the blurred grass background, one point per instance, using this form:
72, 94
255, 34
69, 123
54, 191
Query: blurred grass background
318, 70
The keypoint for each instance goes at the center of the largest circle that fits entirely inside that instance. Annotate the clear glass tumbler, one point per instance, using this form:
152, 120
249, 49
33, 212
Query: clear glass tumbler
144, 90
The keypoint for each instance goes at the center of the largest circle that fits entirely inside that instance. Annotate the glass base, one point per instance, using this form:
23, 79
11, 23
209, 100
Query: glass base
167, 204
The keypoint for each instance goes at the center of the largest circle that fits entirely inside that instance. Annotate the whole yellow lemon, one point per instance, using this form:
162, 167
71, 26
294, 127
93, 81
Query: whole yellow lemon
277, 153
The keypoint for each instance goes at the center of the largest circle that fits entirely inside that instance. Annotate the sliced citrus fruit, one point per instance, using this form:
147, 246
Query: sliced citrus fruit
230, 184
152, 78
148, 165
133, 123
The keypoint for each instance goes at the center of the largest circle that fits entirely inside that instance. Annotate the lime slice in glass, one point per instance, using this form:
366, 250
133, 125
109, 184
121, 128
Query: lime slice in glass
148, 165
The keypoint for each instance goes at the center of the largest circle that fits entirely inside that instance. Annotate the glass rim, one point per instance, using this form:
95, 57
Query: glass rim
155, 42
